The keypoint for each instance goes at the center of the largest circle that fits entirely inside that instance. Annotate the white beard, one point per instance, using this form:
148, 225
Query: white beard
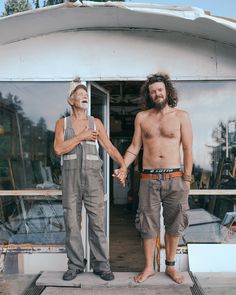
83, 105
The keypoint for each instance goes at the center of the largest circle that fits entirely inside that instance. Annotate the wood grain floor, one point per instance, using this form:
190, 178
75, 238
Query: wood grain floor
126, 252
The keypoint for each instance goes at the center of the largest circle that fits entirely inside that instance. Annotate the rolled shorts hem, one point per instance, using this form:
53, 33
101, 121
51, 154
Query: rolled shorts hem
148, 236
174, 234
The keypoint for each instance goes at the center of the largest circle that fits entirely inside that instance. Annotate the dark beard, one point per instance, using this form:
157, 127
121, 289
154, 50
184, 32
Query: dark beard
160, 105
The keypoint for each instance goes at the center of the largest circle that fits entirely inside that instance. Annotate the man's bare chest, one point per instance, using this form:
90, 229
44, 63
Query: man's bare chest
161, 129
79, 126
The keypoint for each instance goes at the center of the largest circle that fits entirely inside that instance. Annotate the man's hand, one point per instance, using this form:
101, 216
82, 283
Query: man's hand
90, 135
120, 174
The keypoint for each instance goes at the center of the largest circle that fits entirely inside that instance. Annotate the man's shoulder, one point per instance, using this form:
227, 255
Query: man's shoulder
142, 114
98, 123
97, 120
182, 114
60, 121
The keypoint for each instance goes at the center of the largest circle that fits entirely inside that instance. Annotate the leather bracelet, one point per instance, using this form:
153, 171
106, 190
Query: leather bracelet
187, 177
131, 153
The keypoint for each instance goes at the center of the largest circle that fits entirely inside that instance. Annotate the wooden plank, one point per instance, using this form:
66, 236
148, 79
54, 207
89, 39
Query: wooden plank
20, 193
122, 279
14, 283
216, 279
157, 290
20, 248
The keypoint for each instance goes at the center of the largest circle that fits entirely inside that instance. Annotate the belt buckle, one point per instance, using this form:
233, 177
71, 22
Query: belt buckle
160, 176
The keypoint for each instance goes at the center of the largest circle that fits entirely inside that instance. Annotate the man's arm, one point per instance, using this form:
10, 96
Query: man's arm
136, 144
187, 141
62, 146
111, 150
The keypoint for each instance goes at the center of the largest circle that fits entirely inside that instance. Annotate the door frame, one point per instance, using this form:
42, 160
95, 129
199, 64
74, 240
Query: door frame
106, 169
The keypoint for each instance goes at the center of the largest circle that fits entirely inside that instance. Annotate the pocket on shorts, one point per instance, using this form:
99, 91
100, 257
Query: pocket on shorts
185, 184
139, 220
178, 184
185, 218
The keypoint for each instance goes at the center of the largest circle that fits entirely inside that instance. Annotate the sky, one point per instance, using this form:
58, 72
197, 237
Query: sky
225, 8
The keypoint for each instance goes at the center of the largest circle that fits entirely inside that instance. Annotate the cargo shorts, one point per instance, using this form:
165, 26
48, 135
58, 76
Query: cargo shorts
173, 195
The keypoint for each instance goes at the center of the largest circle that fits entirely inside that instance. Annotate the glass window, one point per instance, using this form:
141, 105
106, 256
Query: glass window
28, 113
212, 108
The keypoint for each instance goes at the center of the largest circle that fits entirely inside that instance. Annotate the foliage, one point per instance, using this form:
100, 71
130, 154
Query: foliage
219, 133
52, 2
13, 6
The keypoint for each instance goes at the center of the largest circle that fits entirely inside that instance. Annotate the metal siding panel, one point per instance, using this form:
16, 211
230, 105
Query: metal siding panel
112, 55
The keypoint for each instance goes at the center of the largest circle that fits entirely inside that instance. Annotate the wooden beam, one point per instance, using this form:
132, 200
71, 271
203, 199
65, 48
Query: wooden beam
193, 192
20, 193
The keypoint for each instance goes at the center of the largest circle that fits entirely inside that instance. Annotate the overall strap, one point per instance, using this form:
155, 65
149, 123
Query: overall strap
68, 123
64, 130
65, 123
92, 126
91, 123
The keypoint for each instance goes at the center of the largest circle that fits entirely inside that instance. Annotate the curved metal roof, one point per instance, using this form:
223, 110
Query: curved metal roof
116, 15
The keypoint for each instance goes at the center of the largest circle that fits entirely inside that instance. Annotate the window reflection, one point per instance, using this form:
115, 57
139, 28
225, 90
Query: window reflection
213, 114
28, 112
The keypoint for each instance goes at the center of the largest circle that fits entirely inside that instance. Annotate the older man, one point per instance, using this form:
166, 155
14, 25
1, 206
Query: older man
75, 140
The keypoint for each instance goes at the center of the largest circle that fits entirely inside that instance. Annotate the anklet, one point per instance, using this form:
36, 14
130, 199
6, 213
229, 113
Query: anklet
170, 263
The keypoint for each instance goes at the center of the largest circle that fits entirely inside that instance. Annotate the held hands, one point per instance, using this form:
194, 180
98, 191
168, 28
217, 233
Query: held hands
120, 174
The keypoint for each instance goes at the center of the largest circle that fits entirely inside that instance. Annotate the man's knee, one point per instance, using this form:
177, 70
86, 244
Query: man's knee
147, 223
179, 224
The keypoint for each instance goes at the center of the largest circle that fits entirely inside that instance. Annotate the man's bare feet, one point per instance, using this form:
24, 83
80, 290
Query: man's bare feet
174, 275
144, 275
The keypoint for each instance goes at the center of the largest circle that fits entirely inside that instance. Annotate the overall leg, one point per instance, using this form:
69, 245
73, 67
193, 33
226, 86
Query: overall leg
72, 205
94, 204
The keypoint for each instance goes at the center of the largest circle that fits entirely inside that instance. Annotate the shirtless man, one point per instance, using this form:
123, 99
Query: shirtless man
161, 130
75, 141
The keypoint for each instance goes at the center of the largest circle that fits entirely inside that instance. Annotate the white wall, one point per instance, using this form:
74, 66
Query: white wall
116, 55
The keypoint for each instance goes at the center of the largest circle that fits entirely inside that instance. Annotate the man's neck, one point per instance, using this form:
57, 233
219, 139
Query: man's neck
164, 111
80, 114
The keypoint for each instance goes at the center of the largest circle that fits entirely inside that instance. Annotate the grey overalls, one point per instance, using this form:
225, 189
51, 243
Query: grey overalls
82, 180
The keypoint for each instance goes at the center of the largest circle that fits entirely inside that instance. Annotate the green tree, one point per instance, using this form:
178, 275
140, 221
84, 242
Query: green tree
36, 3
52, 2
14, 6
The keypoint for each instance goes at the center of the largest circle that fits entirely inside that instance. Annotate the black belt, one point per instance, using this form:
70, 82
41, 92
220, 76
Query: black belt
160, 170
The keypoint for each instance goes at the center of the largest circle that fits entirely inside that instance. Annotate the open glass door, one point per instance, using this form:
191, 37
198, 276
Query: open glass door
99, 108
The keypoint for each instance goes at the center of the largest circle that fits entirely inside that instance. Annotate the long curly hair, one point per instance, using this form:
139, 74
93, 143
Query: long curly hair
172, 98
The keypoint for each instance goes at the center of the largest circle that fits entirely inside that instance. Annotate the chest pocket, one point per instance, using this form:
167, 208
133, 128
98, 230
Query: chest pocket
70, 161
93, 162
